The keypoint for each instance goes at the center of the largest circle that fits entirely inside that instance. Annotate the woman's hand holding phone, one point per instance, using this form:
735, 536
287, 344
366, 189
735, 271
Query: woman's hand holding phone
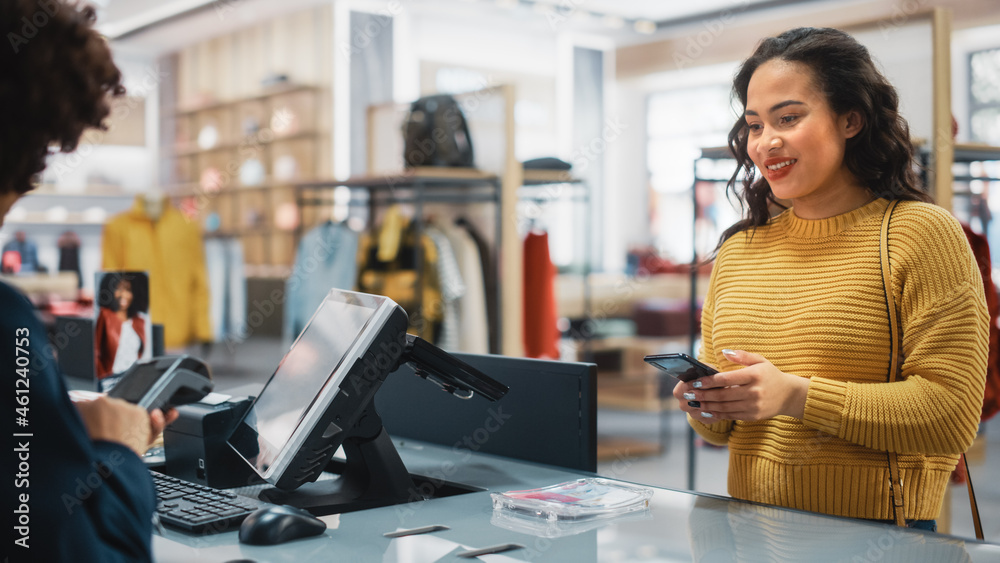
755, 392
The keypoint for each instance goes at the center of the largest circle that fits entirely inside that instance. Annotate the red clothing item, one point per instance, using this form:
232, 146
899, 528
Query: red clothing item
541, 333
107, 332
991, 399
981, 250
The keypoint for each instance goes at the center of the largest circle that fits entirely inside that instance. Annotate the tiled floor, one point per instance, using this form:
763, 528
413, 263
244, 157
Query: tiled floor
254, 361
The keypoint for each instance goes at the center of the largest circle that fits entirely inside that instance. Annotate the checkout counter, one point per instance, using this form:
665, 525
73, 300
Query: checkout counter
542, 433
678, 526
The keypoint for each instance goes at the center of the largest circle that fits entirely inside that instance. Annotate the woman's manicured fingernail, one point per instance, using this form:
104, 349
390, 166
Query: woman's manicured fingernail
694, 404
688, 396
696, 385
706, 415
728, 353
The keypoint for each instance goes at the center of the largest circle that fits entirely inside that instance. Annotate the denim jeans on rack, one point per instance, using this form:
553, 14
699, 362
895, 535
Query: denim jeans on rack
227, 286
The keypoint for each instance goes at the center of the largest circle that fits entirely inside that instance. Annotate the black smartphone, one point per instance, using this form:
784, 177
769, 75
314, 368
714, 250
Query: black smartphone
681, 366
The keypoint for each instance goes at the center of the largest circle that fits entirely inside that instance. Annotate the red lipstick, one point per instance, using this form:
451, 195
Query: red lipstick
777, 167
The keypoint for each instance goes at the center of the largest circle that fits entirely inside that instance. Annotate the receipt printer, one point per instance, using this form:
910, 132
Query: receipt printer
196, 449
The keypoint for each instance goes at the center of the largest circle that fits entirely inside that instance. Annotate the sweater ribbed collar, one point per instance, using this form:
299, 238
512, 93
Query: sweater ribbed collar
820, 228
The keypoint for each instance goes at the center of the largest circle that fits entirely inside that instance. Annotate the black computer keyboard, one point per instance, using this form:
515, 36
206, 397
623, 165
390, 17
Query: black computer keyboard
199, 509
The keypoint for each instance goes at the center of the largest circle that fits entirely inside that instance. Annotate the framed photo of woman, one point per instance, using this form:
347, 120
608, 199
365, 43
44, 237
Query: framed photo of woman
122, 327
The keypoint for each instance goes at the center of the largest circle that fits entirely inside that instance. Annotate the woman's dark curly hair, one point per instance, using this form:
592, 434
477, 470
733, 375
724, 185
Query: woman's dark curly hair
56, 78
880, 156
139, 285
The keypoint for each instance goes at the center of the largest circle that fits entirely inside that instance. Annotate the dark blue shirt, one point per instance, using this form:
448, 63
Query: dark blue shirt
70, 498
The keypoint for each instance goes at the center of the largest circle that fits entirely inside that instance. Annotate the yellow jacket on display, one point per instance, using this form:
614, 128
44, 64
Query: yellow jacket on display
170, 249
807, 295
387, 265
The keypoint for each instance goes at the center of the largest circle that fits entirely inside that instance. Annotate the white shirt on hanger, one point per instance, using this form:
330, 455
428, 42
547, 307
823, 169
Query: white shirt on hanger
474, 337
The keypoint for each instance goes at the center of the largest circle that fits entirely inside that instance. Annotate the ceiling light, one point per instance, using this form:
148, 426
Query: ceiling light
645, 26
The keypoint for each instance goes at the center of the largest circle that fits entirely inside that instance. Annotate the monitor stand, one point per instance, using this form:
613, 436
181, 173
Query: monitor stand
374, 475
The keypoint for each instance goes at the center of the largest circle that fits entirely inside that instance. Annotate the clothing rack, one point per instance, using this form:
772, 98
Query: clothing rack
537, 188
417, 187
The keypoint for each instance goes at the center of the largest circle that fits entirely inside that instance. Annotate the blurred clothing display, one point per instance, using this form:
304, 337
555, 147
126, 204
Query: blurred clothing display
541, 331
388, 265
69, 255
327, 258
452, 290
490, 282
11, 262
227, 284
473, 334
27, 251
170, 248
981, 250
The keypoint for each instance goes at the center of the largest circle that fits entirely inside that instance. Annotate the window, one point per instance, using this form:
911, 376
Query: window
680, 124
984, 96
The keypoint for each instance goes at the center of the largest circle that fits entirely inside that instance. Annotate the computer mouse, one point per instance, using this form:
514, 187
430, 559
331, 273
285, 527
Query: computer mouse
278, 524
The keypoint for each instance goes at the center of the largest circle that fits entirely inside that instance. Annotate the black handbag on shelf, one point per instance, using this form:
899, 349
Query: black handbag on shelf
435, 133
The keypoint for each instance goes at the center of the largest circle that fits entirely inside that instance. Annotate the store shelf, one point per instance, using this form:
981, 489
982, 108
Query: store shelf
270, 93
536, 177
971, 152
431, 176
251, 140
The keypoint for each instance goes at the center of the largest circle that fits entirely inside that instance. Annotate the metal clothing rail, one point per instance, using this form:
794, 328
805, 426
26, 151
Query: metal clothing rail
418, 187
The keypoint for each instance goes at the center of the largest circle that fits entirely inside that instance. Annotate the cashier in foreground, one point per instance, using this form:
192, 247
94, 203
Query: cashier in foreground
74, 488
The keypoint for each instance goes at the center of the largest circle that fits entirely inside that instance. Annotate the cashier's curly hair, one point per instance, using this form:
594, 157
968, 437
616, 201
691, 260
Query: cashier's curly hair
56, 81
880, 156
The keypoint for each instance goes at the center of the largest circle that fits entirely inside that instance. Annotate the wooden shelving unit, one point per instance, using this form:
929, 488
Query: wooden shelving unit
237, 162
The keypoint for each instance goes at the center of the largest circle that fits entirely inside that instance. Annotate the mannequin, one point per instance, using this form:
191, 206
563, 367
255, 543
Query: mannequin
154, 201
156, 238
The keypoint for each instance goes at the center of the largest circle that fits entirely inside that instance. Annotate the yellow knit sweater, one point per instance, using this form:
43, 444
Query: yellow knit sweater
807, 295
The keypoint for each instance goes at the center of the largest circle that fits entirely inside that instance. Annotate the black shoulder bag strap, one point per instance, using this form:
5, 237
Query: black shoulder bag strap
895, 481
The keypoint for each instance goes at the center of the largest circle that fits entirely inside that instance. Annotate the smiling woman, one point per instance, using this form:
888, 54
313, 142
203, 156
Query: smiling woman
797, 315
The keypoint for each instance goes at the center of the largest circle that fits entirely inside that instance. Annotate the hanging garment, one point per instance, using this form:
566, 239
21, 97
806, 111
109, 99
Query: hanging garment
452, 289
69, 255
541, 333
981, 250
11, 261
327, 258
227, 284
415, 287
472, 313
490, 278
26, 249
171, 250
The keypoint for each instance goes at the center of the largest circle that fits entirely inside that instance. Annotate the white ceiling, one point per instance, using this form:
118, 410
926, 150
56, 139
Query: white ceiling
164, 25
656, 10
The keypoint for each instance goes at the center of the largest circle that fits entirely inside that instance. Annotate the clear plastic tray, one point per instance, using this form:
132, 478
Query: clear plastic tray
541, 528
575, 500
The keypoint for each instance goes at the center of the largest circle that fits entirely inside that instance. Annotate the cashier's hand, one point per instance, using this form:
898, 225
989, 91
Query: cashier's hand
115, 420
755, 392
